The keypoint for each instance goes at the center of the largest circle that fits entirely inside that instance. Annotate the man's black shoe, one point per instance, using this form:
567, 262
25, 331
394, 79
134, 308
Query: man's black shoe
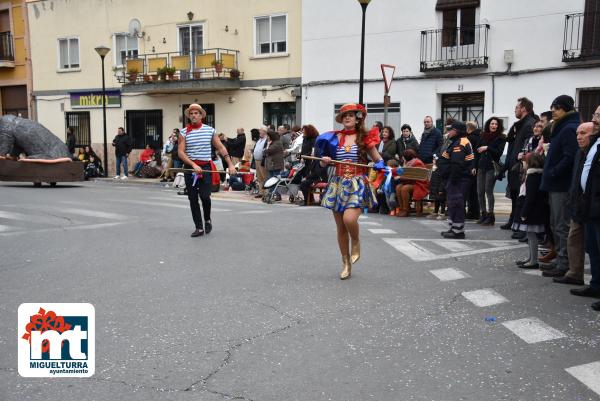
198, 233
524, 239
596, 306
567, 280
529, 266
453, 235
586, 291
554, 273
184, 192
506, 226
208, 227
547, 267
518, 235
521, 262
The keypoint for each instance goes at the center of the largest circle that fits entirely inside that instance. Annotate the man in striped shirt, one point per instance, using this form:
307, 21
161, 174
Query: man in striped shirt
195, 145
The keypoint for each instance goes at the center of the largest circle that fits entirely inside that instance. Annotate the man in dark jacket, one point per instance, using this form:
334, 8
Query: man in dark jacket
431, 141
576, 238
590, 185
123, 146
457, 164
237, 146
558, 170
473, 135
517, 136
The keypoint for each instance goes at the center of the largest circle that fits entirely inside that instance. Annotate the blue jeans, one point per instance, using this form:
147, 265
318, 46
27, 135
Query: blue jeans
177, 164
124, 160
592, 247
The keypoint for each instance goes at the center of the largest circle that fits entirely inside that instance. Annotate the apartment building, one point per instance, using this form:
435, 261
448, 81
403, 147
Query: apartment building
466, 59
240, 60
15, 67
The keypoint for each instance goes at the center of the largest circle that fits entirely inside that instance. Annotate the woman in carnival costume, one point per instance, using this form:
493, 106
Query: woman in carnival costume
348, 192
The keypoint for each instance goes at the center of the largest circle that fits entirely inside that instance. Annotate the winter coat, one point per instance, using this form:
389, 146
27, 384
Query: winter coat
458, 160
475, 139
430, 144
71, 142
494, 151
236, 146
576, 201
518, 134
558, 167
122, 144
389, 150
591, 196
535, 208
403, 143
274, 156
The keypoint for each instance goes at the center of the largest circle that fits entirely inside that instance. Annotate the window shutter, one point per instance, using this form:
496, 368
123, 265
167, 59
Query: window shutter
590, 43
454, 4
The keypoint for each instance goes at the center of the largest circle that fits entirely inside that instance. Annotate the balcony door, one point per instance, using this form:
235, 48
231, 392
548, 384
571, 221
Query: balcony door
191, 42
459, 39
590, 44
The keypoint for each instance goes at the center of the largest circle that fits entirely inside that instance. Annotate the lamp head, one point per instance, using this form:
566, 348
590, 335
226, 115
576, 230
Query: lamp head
365, 2
102, 51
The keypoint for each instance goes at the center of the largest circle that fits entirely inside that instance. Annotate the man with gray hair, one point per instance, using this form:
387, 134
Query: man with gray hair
257, 153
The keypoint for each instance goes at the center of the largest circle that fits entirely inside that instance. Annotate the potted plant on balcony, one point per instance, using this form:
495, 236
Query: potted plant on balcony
132, 74
147, 78
162, 73
234, 73
170, 72
218, 64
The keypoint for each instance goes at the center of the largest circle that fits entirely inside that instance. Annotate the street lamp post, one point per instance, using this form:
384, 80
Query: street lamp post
363, 4
102, 52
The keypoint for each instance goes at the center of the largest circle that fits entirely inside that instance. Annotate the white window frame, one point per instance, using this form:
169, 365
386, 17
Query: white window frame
255, 36
189, 26
116, 53
68, 39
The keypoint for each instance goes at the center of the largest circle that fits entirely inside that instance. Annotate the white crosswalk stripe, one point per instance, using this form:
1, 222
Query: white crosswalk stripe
449, 274
381, 231
163, 204
484, 297
588, 374
422, 250
370, 223
532, 330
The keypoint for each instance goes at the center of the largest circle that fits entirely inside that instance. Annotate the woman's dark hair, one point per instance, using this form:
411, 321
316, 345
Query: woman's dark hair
405, 126
310, 131
379, 124
535, 160
486, 127
70, 131
390, 130
409, 154
254, 134
273, 135
296, 128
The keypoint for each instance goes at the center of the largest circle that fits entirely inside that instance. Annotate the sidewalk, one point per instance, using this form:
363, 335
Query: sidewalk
502, 206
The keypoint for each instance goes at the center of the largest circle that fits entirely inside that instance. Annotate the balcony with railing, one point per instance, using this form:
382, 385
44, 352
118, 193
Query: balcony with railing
7, 52
209, 69
582, 37
454, 48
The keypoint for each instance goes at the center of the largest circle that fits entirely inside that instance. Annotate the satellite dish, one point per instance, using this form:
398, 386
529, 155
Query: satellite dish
135, 28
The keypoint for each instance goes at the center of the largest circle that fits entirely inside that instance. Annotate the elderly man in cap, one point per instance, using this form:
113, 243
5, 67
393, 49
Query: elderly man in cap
556, 180
457, 165
195, 145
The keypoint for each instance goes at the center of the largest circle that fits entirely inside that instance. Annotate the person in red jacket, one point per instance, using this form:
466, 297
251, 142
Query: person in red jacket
145, 158
407, 190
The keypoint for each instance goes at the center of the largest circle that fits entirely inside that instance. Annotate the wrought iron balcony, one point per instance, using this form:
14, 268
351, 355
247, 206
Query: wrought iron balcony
211, 68
582, 37
7, 52
455, 48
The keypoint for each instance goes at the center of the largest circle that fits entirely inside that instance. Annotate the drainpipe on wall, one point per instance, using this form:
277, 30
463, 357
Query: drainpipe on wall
28, 67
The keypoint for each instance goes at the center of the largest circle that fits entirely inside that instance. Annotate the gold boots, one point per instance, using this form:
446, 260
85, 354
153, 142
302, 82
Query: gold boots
347, 270
355, 250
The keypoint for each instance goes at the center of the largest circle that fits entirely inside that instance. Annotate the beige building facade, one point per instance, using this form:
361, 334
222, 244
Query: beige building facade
15, 63
239, 59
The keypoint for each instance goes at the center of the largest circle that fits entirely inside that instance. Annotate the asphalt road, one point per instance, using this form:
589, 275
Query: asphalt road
255, 310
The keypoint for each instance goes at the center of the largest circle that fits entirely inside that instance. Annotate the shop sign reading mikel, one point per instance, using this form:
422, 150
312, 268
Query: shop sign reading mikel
90, 100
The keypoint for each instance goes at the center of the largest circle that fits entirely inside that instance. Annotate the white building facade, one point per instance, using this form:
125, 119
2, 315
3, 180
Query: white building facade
466, 59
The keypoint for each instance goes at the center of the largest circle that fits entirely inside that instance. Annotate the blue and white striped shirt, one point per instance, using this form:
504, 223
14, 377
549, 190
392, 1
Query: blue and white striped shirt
198, 142
352, 155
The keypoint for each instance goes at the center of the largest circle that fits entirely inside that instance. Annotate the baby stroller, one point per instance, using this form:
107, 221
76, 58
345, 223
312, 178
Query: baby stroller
284, 184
